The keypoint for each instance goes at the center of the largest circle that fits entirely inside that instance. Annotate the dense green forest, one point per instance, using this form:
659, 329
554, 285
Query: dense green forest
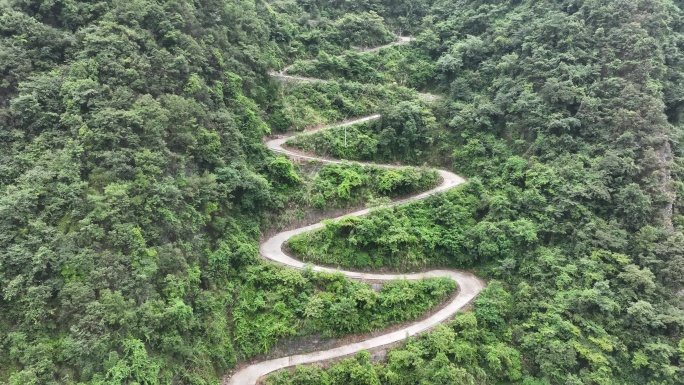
134, 187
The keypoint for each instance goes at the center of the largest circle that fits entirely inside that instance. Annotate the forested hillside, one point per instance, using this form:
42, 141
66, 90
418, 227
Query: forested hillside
134, 187
130, 169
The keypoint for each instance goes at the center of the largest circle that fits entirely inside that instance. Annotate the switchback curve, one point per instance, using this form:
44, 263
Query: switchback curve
468, 284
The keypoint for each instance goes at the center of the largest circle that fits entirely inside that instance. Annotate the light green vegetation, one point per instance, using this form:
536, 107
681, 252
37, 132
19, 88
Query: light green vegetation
307, 31
278, 302
407, 132
398, 64
304, 105
310, 188
458, 352
440, 231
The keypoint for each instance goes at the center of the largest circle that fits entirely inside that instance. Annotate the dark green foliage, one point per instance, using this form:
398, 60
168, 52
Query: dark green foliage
306, 25
335, 182
580, 302
353, 371
133, 183
130, 159
361, 30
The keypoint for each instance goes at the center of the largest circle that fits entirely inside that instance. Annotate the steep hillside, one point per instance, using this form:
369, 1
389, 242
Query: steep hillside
566, 116
130, 153
134, 187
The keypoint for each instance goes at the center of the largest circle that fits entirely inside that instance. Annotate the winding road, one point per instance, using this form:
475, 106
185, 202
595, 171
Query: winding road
468, 285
